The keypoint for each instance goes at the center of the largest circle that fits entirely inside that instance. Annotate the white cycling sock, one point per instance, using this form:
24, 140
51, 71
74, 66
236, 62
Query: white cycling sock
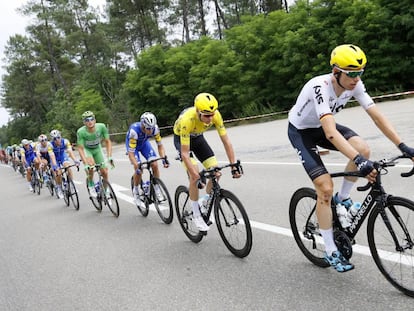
196, 209
327, 236
345, 191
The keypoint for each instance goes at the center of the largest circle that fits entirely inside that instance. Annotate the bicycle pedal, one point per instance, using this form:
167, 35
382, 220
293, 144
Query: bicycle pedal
203, 232
209, 223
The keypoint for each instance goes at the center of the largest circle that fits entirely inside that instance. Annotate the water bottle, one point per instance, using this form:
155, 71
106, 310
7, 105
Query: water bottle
146, 187
342, 214
353, 211
203, 202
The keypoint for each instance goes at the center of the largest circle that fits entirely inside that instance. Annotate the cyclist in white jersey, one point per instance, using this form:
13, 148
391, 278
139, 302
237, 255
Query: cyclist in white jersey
311, 124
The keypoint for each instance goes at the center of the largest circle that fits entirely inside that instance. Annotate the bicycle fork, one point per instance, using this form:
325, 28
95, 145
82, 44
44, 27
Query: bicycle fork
385, 218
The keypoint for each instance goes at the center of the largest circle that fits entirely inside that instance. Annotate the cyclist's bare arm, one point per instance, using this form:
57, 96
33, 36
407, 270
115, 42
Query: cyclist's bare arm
108, 145
384, 125
161, 152
82, 155
228, 147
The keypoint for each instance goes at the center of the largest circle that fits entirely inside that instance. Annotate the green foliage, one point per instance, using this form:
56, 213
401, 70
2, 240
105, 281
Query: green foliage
71, 61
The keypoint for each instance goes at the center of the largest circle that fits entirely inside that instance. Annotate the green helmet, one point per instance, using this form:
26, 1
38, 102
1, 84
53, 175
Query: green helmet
87, 114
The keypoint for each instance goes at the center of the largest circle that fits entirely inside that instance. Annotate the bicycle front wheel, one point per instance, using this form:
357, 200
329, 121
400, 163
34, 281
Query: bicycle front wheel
394, 253
51, 187
66, 189
72, 193
110, 199
305, 226
162, 200
185, 214
233, 224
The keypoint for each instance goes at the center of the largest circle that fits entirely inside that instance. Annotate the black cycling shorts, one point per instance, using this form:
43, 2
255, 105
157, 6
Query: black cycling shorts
198, 146
306, 144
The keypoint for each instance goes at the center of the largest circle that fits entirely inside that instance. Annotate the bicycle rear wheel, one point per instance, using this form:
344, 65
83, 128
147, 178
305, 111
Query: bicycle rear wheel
162, 200
110, 198
97, 202
36, 183
51, 187
305, 225
72, 193
185, 214
233, 224
395, 259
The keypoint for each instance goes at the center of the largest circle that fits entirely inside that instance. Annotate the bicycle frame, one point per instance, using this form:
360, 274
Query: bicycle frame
212, 174
376, 198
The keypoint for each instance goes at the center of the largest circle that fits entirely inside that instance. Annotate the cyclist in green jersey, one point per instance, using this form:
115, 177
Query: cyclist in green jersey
89, 138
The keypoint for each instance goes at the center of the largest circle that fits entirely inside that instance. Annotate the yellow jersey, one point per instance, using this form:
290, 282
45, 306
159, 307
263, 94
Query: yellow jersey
188, 124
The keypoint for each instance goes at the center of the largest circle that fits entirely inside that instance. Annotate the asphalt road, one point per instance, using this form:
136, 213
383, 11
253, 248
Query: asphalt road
55, 258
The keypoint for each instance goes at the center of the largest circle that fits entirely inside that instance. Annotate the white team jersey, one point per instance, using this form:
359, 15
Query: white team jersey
317, 98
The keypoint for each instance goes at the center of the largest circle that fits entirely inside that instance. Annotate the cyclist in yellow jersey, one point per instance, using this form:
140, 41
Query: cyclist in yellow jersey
189, 142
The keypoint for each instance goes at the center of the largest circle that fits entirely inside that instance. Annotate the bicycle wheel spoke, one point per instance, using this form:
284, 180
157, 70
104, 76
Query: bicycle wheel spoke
162, 201
305, 225
110, 199
233, 224
184, 215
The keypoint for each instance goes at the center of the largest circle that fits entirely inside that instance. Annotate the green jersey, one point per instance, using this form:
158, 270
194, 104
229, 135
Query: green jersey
92, 140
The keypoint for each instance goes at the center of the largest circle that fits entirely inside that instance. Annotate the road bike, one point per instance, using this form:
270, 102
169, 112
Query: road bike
105, 194
230, 216
390, 228
70, 193
153, 191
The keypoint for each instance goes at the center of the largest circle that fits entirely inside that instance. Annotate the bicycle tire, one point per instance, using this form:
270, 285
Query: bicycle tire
163, 205
97, 202
36, 183
305, 226
112, 201
73, 194
66, 190
233, 224
185, 214
143, 209
396, 265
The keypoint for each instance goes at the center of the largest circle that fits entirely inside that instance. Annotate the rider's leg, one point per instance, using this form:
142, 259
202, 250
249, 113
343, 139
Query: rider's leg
324, 190
348, 182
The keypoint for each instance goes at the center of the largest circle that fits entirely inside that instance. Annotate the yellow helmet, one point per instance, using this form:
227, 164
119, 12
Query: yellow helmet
348, 57
205, 103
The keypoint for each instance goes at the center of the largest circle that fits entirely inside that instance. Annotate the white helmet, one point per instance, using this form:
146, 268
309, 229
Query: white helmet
55, 134
148, 120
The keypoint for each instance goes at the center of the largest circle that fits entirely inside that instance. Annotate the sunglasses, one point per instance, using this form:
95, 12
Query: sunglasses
43, 140
88, 119
56, 138
207, 115
352, 74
